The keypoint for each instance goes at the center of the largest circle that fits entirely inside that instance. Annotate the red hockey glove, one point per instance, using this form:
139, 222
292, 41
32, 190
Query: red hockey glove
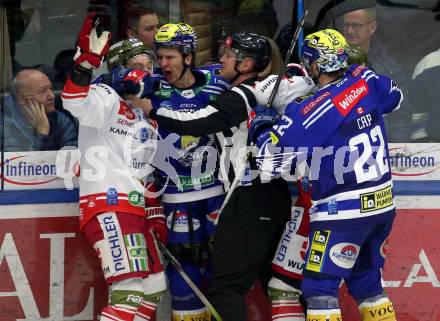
304, 201
91, 49
156, 223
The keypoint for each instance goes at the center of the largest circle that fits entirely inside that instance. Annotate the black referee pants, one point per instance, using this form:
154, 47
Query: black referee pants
245, 242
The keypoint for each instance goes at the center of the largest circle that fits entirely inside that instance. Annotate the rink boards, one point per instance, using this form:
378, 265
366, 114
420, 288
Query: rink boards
49, 272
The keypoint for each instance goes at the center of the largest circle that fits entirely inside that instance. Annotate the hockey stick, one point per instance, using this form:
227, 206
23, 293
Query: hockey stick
188, 280
287, 59
268, 105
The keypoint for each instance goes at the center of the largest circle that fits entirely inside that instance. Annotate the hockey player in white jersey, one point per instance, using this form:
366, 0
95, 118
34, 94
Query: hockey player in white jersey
114, 140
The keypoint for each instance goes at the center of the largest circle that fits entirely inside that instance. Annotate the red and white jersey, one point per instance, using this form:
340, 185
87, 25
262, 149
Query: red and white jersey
116, 143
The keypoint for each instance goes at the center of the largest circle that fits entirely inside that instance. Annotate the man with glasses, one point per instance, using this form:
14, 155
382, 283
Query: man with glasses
359, 28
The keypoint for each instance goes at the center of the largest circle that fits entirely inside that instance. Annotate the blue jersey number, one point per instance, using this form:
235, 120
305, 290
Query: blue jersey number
375, 169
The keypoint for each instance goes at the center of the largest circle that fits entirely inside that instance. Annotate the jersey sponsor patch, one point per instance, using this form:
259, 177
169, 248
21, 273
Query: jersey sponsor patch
350, 97
136, 199
344, 255
376, 200
190, 182
125, 111
111, 250
317, 251
181, 222
379, 310
137, 252
358, 70
307, 108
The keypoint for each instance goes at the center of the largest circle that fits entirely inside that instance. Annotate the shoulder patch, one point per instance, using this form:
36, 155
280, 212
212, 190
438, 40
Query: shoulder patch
358, 70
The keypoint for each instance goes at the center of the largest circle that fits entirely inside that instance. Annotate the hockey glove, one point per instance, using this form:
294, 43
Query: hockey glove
261, 118
134, 82
91, 48
295, 70
156, 223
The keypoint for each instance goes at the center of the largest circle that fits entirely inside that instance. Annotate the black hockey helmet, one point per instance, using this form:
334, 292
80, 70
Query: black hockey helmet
248, 44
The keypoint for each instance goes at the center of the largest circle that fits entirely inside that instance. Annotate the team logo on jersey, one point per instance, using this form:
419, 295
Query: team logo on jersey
317, 250
91, 201
112, 196
125, 111
376, 200
188, 93
350, 97
344, 255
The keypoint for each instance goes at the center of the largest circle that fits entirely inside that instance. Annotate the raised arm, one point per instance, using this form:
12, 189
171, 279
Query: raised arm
229, 110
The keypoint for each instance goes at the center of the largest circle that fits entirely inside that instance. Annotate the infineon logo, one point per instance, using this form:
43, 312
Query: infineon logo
25, 170
414, 160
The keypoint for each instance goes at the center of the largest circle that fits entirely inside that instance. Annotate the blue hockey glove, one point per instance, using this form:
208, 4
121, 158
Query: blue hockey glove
132, 82
261, 118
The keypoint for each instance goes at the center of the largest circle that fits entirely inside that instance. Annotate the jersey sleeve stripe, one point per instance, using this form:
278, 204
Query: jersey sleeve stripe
319, 116
215, 92
186, 115
324, 105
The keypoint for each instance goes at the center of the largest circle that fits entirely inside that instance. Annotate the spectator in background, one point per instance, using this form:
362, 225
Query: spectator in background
31, 120
359, 27
143, 24
425, 90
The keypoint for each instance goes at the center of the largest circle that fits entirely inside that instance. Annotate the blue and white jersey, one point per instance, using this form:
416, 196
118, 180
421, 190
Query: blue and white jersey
196, 174
339, 131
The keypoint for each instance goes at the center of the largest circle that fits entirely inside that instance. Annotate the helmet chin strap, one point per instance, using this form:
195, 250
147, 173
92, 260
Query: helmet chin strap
185, 66
237, 71
314, 77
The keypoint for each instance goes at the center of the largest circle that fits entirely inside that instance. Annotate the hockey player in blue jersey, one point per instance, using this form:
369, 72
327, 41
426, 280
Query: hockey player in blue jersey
192, 207
339, 131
